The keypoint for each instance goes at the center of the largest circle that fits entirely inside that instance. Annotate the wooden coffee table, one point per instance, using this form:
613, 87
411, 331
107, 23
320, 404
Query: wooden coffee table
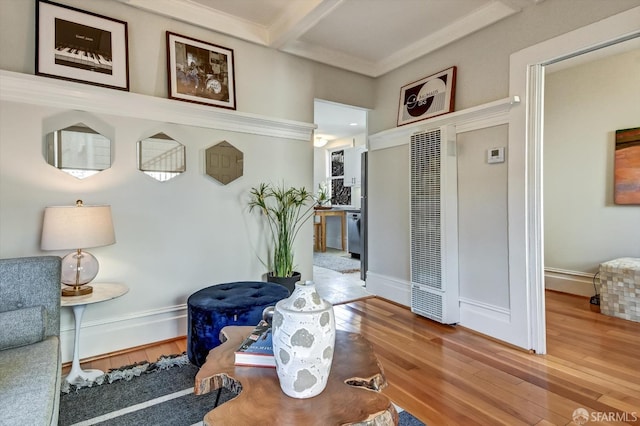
351, 397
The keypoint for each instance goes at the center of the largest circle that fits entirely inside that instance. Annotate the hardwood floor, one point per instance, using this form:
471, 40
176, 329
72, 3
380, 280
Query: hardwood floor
133, 355
449, 375
446, 375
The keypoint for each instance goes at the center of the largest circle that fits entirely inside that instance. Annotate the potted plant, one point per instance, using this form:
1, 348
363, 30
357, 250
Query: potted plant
322, 196
285, 209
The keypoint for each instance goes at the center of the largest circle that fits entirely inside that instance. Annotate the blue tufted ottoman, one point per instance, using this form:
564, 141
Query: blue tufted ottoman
215, 307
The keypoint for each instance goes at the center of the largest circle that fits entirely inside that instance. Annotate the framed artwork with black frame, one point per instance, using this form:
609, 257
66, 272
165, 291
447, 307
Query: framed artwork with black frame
427, 97
200, 72
81, 46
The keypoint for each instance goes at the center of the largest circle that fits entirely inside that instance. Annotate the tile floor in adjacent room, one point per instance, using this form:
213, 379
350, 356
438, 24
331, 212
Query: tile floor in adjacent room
336, 287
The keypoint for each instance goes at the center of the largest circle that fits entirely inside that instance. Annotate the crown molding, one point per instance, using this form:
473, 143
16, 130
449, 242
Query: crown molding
285, 33
205, 17
466, 120
43, 91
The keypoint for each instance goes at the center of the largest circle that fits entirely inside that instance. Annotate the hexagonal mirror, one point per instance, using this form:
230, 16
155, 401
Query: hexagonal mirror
161, 157
224, 162
78, 150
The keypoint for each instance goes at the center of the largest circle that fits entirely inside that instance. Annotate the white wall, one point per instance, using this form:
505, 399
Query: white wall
584, 106
173, 238
176, 237
482, 213
389, 212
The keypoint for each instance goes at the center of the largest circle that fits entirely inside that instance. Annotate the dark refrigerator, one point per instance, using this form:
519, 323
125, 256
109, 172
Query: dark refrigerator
364, 216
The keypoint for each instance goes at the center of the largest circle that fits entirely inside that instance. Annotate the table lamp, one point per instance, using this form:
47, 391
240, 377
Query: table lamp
77, 227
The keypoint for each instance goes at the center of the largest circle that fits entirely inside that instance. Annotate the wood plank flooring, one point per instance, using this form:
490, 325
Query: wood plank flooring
451, 376
133, 355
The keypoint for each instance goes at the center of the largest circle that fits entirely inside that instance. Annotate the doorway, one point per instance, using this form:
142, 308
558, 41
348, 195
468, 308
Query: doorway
580, 120
527, 69
583, 227
340, 138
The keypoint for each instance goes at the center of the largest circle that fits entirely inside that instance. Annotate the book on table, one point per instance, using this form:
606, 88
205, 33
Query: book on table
257, 349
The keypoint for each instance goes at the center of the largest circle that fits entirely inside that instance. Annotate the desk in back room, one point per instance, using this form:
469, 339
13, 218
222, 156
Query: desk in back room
322, 214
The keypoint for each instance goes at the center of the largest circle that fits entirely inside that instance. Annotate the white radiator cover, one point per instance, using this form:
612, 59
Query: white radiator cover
434, 226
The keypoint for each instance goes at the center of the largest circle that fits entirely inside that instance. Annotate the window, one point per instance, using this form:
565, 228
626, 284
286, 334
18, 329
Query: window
340, 195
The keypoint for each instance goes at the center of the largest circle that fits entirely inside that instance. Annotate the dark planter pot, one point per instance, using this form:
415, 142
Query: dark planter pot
288, 282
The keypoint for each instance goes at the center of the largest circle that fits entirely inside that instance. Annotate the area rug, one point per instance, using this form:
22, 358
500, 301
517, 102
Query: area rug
336, 260
159, 394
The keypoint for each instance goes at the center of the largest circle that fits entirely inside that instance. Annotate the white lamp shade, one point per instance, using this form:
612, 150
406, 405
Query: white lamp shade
77, 227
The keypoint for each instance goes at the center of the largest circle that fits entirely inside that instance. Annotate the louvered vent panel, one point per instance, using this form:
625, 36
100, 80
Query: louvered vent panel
426, 264
427, 303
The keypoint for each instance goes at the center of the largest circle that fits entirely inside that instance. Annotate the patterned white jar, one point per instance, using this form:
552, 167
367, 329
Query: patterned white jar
304, 336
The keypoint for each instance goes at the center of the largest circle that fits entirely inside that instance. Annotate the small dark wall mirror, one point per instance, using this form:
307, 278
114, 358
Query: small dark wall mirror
78, 150
224, 162
161, 157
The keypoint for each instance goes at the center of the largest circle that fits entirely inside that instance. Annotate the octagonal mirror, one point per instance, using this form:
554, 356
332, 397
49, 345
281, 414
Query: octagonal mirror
224, 162
78, 150
161, 157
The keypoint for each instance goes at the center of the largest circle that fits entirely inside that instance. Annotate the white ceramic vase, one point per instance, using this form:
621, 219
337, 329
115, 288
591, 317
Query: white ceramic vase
304, 336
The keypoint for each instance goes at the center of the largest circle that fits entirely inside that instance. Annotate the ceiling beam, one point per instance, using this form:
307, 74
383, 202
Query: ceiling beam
519, 4
479, 19
330, 57
297, 19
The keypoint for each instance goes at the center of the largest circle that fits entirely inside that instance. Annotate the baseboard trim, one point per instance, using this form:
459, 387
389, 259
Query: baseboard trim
389, 288
126, 351
470, 310
488, 319
566, 281
118, 333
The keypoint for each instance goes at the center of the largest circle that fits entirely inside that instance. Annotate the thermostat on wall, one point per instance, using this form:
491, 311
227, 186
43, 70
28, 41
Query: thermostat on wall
495, 155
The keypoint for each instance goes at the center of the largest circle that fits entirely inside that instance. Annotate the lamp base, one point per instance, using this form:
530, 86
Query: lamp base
79, 290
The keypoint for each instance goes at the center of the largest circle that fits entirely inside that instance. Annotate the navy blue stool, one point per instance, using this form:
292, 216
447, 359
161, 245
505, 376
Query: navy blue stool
215, 307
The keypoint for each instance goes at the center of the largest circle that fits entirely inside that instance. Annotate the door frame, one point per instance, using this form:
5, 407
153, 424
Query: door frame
525, 177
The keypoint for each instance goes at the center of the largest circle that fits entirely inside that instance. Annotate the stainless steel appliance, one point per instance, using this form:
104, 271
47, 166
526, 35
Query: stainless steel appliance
353, 231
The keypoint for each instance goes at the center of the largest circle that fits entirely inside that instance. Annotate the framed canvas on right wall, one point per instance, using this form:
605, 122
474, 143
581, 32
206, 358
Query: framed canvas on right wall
627, 167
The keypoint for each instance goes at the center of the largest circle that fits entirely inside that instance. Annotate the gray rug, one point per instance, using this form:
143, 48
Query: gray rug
151, 395
336, 260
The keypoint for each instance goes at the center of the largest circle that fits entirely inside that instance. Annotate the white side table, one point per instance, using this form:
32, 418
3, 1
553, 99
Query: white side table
101, 292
